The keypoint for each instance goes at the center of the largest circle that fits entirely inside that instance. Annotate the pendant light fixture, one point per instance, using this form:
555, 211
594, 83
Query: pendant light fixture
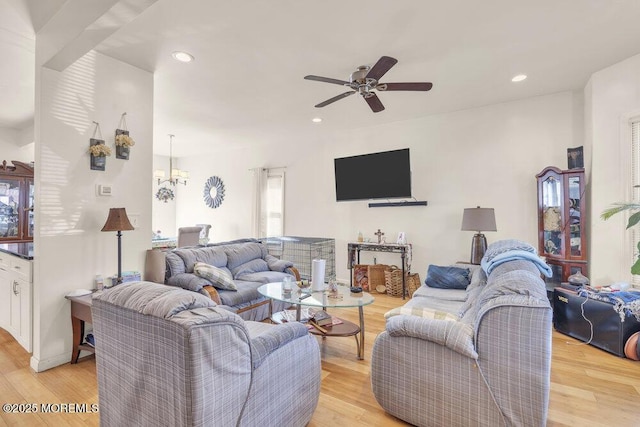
176, 176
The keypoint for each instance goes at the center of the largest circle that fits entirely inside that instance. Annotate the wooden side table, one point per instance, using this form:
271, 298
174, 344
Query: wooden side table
404, 250
80, 313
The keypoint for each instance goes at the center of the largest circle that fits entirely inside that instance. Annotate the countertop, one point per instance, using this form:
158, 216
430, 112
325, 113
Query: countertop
22, 250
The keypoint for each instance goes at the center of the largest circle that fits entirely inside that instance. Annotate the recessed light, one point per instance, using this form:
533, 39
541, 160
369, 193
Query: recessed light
316, 120
519, 78
182, 56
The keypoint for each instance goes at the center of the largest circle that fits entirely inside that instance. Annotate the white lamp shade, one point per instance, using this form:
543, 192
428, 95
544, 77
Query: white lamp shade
158, 173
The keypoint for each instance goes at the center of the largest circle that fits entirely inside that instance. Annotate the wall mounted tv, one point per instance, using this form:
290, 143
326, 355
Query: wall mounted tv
382, 175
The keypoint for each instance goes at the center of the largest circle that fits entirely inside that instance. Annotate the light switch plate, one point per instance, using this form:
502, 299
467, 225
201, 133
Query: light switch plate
103, 190
134, 219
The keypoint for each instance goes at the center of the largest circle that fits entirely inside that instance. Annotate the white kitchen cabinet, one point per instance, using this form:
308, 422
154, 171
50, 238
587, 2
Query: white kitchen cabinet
5, 293
21, 312
16, 302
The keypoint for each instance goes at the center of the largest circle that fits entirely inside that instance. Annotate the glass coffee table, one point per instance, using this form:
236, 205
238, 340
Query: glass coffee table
322, 300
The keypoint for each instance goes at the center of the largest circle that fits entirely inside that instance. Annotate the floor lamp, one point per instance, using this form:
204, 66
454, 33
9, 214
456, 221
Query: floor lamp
478, 220
118, 221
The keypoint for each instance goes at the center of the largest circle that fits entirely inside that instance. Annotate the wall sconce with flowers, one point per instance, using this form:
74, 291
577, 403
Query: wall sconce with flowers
98, 150
123, 140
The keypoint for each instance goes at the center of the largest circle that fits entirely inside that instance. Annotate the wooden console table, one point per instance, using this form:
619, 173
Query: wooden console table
404, 251
80, 313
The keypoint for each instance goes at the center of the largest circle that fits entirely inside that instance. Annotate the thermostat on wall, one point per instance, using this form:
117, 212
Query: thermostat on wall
104, 190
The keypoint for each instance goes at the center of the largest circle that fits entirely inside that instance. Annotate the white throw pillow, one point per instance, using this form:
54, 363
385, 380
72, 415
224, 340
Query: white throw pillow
427, 313
220, 278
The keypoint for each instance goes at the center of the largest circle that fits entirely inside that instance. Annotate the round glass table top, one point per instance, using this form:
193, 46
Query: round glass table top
316, 298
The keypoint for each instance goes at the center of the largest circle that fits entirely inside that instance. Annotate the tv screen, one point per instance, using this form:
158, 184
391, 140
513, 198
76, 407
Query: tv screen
373, 176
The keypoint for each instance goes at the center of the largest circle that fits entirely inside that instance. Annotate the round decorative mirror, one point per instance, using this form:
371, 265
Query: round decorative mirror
213, 192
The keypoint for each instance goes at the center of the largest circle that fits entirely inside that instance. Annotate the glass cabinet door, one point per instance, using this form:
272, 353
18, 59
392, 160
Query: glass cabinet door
9, 209
29, 209
552, 215
16, 202
575, 223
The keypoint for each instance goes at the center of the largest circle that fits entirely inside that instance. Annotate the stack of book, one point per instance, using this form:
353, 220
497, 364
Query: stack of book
322, 318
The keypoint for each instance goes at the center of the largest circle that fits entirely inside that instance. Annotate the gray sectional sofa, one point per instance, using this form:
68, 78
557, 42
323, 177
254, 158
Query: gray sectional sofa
246, 260
479, 356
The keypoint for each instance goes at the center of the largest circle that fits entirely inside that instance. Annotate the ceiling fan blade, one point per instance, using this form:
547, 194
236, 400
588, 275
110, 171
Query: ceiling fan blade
374, 102
405, 86
334, 99
327, 80
383, 65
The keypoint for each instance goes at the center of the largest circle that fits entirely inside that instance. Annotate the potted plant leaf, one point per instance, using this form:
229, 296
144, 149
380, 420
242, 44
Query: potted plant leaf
633, 220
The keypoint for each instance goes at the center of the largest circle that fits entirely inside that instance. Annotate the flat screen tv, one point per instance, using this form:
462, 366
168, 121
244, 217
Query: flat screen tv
382, 175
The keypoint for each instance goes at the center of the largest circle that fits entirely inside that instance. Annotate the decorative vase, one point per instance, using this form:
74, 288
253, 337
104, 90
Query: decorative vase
122, 152
98, 163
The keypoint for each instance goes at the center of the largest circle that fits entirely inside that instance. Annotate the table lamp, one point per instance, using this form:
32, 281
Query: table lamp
118, 221
478, 219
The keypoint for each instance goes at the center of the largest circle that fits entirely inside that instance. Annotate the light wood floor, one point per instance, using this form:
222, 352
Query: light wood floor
588, 386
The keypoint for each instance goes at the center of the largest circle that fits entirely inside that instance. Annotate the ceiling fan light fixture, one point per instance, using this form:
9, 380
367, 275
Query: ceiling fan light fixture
519, 78
365, 81
182, 56
360, 75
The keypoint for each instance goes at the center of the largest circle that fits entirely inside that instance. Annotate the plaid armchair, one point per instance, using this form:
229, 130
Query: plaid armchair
170, 357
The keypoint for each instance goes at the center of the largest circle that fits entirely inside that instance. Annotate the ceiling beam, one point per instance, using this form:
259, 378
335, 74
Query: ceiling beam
80, 25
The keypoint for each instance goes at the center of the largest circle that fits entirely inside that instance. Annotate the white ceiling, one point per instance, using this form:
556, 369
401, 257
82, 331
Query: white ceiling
246, 85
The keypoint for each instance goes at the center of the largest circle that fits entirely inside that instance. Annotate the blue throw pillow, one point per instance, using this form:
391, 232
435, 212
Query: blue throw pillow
447, 277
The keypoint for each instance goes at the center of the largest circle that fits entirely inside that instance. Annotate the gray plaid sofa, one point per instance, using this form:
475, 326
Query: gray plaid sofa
247, 260
491, 367
170, 357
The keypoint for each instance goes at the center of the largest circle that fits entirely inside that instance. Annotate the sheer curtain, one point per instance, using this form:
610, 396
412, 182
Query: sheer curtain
268, 202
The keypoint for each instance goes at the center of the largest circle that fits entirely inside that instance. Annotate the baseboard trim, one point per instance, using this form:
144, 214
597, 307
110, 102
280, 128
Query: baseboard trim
42, 365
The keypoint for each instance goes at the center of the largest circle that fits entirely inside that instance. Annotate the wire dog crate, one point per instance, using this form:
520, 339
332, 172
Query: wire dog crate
301, 251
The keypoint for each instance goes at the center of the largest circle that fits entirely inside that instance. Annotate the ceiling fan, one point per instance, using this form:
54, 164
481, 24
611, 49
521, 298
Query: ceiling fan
366, 79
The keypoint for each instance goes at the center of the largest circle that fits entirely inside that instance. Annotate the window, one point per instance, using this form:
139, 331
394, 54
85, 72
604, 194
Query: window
275, 203
635, 181
268, 202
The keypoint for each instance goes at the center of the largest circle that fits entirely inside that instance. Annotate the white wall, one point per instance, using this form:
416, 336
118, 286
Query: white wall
612, 97
69, 247
17, 144
164, 213
233, 218
487, 156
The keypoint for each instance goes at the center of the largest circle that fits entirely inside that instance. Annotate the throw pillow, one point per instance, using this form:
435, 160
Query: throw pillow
220, 278
447, 277
427, 313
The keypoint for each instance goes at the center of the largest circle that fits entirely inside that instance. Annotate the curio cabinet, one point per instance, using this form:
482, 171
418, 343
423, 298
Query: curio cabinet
16, 202
561, 221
